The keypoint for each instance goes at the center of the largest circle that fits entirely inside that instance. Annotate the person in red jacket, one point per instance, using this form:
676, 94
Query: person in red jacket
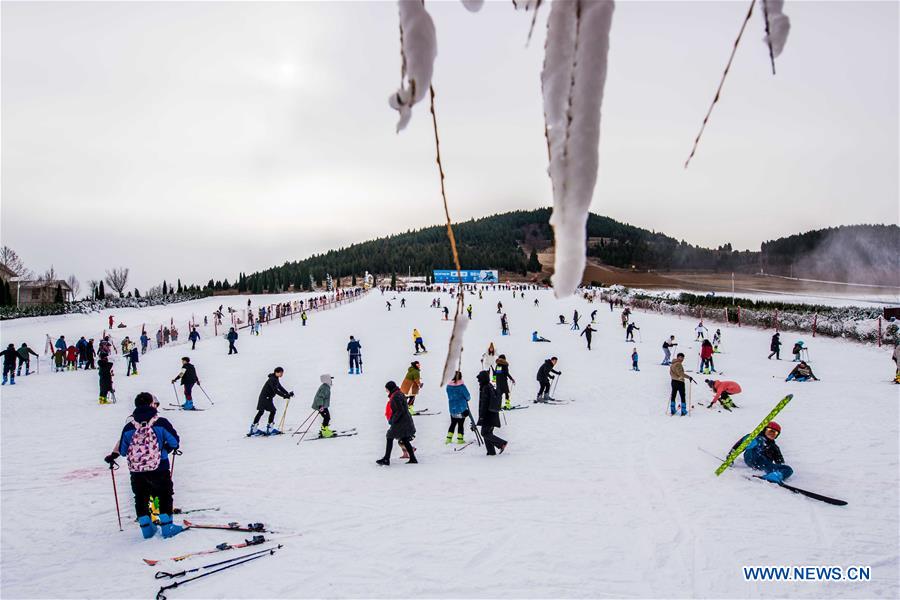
71, 358
706, 360
724, 390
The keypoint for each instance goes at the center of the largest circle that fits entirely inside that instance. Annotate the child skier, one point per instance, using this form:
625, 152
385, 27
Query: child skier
402, 428
701, 330
544, 375
588, 333
503, 377
188, 377
634, 359
133, 358
146, 441
303, 316
354, 350
717, 339
105, 373
802, 372
667, 352
538, 338
469, 311
763, 454
629, 332
724, 390
504, 325
10, 356
71, 358
411, 384
417, 340
446, 313
270, 389
458, 403
796, 350
706, 359
321, 403
193, 336
25, 354
59, 360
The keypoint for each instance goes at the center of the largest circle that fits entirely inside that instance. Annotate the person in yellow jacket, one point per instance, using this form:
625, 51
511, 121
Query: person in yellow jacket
417, 339
411, 384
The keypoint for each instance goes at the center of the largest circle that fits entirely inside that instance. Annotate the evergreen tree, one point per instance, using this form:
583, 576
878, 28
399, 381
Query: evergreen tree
353, 280
58, 299
534, 265
101, 292
226, 285
165, 289
137, 293
179, 285
393, 280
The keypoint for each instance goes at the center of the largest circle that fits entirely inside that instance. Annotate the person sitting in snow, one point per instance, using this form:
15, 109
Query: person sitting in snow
763, 454
538, 338
724, 390
146, 441
562, 320
802, 372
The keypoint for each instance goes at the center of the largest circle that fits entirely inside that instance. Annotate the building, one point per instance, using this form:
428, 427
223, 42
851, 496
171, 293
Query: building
32, 292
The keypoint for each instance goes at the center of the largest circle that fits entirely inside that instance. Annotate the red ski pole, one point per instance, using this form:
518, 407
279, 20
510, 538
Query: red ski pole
115, 493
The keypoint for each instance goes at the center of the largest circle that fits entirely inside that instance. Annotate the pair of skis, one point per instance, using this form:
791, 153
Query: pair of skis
344, 433
180, 407
425, 412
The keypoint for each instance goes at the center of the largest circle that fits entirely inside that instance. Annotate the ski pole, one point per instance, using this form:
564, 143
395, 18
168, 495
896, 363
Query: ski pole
175, 452
175, 391
164, 575
112, 474
161, 596
555, 383
283, 415
205, 394
311, 423
305, 421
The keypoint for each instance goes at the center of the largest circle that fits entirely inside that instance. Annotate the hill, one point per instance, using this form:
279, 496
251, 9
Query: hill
511, 241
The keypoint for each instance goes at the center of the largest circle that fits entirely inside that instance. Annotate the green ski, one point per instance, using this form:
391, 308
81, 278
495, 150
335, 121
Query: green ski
737, 451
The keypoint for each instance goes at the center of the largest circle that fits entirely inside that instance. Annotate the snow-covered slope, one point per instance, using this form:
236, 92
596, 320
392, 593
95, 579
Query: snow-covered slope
603, 497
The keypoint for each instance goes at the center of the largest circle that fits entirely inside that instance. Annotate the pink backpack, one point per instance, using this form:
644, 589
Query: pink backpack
143, 452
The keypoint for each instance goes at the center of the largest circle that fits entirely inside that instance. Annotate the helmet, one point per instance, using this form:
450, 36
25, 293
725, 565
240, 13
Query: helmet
773, 426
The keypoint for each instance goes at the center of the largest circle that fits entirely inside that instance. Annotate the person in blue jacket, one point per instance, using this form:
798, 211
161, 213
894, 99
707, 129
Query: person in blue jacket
763, 454
194, 336
146, 441
232, 336
538, 338
133, 358
61, 344
144, 341
458, 399
354, 348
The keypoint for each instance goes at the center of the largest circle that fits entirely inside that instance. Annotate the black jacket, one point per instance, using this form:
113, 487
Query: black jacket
488, 405
190, 374
10, 355
271, 388
105, 371
402, 425
501, 372
776, 343
544, 373
765, 447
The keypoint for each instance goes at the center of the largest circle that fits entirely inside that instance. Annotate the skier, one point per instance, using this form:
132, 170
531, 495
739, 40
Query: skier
469, 311
797, 349
458, 403
411, 384
538, 338
110, 321
504, 325
594, 316
499, 307
417, 339
562, 320
146, 441
61, 344
59, 360
354, 349
402, 428
667, 352
105, 374
544, 375
487, 359
25, 354
896, 358
706, 359
270, 389
717, 339
80, 347
90, 353
303, 317
724, 390
194, 337
701, 330
575, 317
71, 359
446, 313
402, 302
145, 340
625, 314
10, 356
676, 372
536, 303
321, 402
775, 346
802, 372
232, 336
634, 359
489, 414
588, 334
133, 358
629, 332
388, 303
188, 377
503, 377
763, 454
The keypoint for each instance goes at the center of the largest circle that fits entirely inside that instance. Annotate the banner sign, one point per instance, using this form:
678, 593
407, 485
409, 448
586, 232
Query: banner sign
468, 276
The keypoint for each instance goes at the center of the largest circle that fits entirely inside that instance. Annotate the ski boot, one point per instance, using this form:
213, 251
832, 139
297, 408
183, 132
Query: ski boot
460, 440
103, 400
4, 380
412, 411
727, 404
271, 430
350, 372
254, 430
683, 410
188, 405
357, 370
12, 379
384, 462
169, 529
449, 439
774, 477
148, 529
672, 409
507, 405
326, 432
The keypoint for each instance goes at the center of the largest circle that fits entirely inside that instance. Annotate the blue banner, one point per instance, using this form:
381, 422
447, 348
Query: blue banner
468, 276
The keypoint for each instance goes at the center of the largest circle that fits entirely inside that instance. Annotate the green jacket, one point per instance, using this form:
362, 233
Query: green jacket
323, 397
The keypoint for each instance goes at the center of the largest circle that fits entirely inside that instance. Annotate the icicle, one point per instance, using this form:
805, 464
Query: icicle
418, 49
526, 4
572, 81
454, 352
473, 5
778, 25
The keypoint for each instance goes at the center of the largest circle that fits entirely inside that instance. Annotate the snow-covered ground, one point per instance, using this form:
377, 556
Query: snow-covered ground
876, 300
605, 496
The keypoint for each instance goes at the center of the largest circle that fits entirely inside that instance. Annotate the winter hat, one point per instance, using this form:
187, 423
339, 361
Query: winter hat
709, 382
391, 387
327, 379
143, 399
483, 377
11, 347
774, 426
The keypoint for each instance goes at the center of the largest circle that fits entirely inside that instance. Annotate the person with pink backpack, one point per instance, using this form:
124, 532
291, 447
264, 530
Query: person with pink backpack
146, 441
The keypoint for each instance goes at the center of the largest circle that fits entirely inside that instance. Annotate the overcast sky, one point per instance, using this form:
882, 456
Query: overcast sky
201, 139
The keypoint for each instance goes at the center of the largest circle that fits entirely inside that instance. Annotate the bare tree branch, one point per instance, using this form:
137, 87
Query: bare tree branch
117, 279
12, 261
74, 284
